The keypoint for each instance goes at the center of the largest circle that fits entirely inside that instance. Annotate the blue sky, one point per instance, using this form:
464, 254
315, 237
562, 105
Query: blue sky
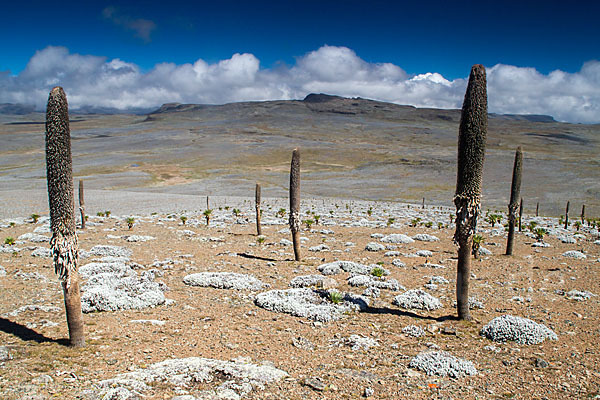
389, 41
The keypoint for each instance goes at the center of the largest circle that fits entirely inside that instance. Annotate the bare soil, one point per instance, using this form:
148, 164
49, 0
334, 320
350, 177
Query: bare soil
225, 324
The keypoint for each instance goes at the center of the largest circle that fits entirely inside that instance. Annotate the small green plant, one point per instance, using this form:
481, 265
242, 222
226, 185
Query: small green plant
531, 226
207, 213
35, 218
577, 225
477, 241
370, 211
390, 221
226, 208
331, 212
308, 223
539, 234
377, 271
236, 212
317, 219
335, 297
261, 239
493, 219
281, 213
9, 240
561, 220
440, 225
428, 224
130, 221
100, 214
415, 221
183, 218
107, 213
12, 224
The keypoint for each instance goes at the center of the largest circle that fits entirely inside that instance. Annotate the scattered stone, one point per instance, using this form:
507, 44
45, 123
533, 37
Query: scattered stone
442, 363
417, 299
397, 238
398, 263
425, 237
224, 280
518, 329
540, 363
368, 392
286, 242
484, 252
438, 280
309, 303
540, 244
303, 343
392, 253
574, 254
424, 253
315, 383
5, 354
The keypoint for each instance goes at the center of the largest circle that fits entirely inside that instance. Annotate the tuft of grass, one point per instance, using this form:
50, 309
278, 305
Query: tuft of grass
377, 271
183, 218
34, 218
130, 221
335, 297
9, 240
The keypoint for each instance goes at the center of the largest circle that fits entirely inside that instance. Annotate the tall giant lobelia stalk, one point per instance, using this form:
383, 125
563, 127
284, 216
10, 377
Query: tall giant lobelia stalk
257, 206
513, 205
471, 151
295, 202
62, 215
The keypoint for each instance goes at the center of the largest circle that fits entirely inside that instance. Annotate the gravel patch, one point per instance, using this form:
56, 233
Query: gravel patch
413, 330
224, 280
517, 329
442, 363
417, 299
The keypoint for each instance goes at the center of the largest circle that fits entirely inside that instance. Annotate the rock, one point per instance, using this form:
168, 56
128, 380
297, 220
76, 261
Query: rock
320, 281
424, 253
368, 392
303, 343
397, 238
540, 363
413, 330
574, 254
315, 383
424, 237
318, 248
4, 354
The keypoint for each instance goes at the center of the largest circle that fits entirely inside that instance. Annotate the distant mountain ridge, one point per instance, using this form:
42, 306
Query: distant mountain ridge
314, 102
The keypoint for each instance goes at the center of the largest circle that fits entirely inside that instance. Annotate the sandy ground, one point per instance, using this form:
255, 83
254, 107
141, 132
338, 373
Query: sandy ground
227, 324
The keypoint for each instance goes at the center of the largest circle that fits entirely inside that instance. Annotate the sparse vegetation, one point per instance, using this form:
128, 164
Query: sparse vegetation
477, 241
183, 219
9, 240
390, 221
34, 218
335, 297
539, 234
130, 221
207, 213
377, 271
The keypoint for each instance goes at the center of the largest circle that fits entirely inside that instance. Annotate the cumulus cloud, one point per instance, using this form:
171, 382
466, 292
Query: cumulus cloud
96, 81
141, 27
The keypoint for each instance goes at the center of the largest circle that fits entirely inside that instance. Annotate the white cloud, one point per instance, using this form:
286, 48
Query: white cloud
96, 81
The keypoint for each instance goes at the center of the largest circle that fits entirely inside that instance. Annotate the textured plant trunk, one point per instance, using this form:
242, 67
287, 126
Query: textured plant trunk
81, 204
515, 193
537, 209
207, 203
521, 215
582, 214
59, 174
567, 215
471, 152
423, 203
295, 202
257, 206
